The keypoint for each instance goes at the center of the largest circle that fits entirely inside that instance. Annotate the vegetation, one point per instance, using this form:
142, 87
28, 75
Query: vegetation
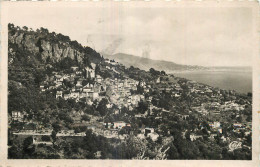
161, 109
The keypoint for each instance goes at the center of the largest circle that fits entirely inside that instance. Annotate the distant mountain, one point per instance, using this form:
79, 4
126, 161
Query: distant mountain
146, 64
233, 68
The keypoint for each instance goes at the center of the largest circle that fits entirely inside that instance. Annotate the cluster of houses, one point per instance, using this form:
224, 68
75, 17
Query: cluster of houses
176, 89
112, 130
148, 132
205, 110
216, 129
72, 86
18, 116
85, 83
215, 108
120, 92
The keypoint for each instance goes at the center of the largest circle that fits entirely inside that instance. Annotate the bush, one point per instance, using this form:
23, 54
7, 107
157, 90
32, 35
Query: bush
46, 138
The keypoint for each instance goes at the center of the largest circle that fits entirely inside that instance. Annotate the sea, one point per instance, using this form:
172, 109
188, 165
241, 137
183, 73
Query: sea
229, 79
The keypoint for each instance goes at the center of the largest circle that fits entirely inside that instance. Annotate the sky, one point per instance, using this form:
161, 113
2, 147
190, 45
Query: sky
191, 36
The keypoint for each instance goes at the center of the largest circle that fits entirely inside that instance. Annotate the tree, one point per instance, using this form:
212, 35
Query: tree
76, 130
86, 61
27, 141
154, 72
10, 26
106, 74
44, 30
28, 148
163, 73
56, 126
140, 89
15, 152
54, 136
63, 38
39, 77
66, 63
97, 69
159, 140
187, 135
45, 138
25, 28
85, 118
102, 107
90, 144
173, 152
142, 107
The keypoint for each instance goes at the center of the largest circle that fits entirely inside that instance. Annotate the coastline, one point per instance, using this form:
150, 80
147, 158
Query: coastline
238, 80
214, 69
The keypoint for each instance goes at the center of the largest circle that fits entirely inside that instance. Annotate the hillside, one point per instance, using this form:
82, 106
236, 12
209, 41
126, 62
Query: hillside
146, 64
43, 47
66, 101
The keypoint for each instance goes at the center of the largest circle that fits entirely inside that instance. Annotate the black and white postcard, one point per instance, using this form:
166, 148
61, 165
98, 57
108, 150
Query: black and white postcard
130, 83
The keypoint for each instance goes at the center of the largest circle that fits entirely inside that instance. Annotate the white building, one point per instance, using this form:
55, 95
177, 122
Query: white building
98, 79
215, 125
119, 124
148, 130
93, 95
90, 72
58, 94
17, 115
74, 68
154, 136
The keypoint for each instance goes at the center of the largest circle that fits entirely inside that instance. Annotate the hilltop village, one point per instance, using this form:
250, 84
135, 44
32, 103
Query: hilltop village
105, 110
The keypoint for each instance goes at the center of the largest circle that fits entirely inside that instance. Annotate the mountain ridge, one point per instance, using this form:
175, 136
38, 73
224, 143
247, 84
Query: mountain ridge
146, 63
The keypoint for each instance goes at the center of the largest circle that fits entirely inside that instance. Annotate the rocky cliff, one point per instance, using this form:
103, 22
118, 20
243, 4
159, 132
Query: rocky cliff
51, 46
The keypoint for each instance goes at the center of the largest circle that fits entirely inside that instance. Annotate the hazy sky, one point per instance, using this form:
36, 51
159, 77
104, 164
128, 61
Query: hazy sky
193, 36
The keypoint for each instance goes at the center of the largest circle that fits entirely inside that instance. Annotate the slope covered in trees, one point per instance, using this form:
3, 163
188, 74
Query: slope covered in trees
37, 58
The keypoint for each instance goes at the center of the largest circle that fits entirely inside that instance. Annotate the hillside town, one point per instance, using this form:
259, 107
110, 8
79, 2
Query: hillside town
217, 114
97, 108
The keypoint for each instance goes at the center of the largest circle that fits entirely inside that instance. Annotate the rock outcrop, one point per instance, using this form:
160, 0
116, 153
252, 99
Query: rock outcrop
38, 44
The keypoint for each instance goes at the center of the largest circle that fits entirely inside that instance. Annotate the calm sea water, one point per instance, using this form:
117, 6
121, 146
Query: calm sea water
240, 81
